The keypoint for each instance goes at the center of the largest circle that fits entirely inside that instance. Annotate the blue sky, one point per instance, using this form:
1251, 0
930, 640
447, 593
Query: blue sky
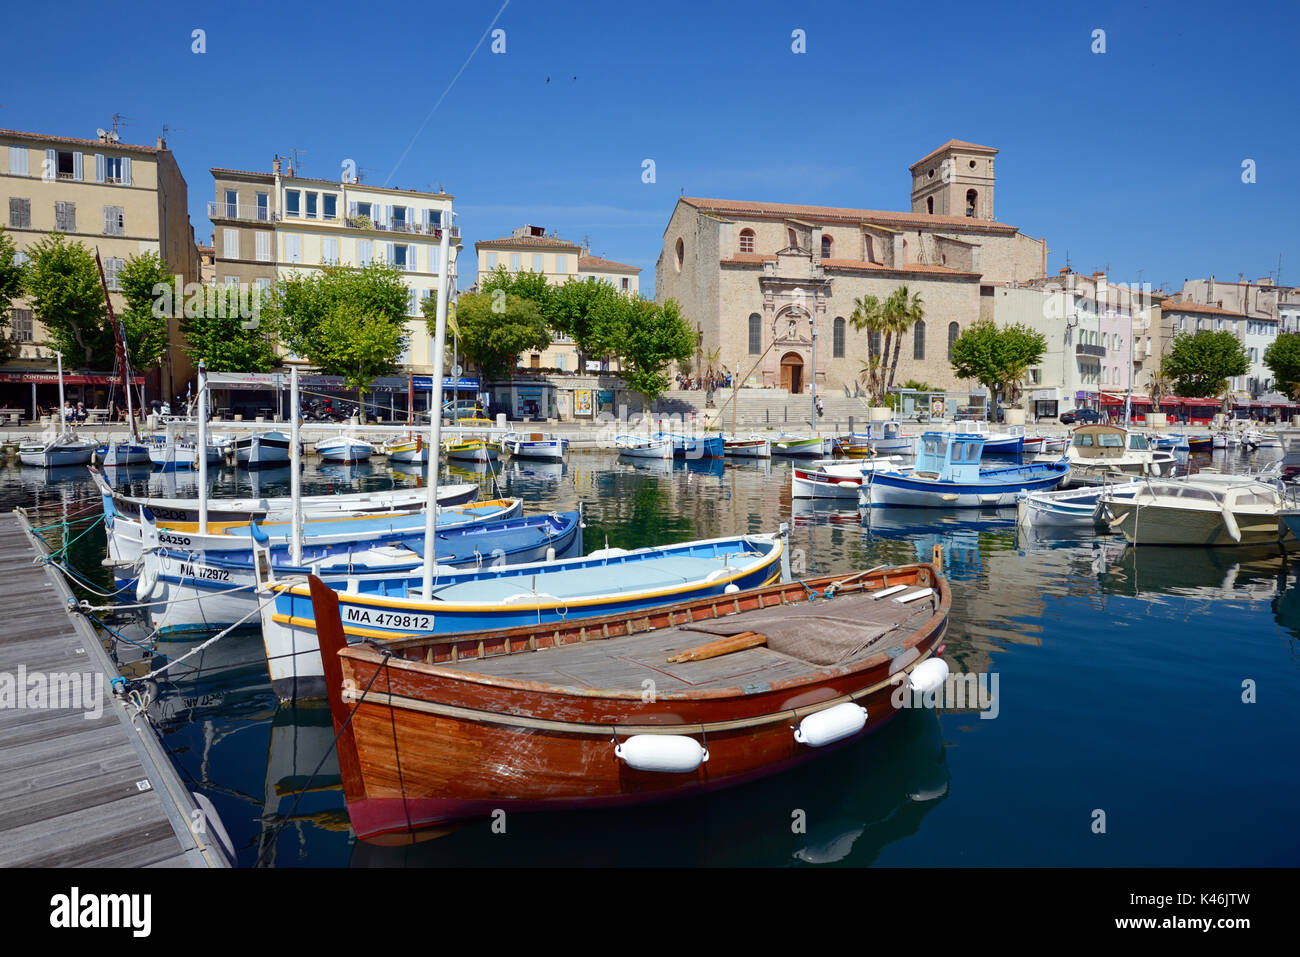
1131, 158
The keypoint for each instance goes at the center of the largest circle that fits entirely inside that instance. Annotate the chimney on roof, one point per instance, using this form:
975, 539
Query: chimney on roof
161, 144
275, 165
1064, 270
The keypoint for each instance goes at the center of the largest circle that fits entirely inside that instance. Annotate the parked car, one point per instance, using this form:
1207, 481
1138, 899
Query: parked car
1089, 416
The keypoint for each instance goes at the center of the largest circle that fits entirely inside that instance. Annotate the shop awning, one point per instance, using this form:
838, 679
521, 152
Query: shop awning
52, 378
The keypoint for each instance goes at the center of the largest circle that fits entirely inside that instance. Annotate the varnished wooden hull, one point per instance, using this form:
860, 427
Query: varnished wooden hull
429, 744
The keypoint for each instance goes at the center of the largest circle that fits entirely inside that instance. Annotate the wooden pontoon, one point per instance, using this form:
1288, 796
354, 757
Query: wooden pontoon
593, 713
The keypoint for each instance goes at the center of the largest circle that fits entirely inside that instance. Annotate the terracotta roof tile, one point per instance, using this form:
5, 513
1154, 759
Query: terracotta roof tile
957, 144
241, 172
605, 265
1202, 307
841, 214
538, 242
73, 139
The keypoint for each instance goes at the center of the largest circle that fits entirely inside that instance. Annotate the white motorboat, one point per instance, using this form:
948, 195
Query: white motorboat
344, 448
122, 452
1100, 453
1201, 509
641, 447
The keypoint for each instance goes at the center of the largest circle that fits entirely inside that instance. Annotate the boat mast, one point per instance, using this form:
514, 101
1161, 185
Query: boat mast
63, 419
201, 450
435, 410
295, 480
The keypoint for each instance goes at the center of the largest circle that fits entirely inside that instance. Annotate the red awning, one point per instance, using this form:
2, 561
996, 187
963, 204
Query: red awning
52, 378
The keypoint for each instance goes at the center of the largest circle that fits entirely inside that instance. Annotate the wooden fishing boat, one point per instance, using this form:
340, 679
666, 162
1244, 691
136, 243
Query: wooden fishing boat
261, 449
540, 446
880, 438
122, 453
801, 445
344, 448
606, 581
470, 449
58, 451
831, 480
948, 475
406, 451
640, 447
624, 710
207, 590
126, 532
1070, 507
754, 447
694, 446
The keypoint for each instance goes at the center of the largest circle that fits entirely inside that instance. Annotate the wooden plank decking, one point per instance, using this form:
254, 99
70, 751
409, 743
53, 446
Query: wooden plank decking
76, 790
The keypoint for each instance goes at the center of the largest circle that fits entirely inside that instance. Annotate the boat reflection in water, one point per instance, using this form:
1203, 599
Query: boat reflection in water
526, 469
963, 536
852, 805
1251, 572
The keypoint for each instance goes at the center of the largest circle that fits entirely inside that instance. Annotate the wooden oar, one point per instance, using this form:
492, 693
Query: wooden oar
723, 646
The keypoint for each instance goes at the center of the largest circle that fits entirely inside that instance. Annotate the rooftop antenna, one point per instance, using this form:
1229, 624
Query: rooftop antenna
294, 162
364, 169
167, 130
119, 120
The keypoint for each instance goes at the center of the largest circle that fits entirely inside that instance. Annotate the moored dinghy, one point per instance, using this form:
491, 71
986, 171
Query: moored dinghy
640, 447
838, 480
556, 718
344, 448
801, 446
754, 447
539, 446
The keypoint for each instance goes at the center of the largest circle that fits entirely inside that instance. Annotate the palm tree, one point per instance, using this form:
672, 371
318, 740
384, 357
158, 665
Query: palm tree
902, 313
868, 316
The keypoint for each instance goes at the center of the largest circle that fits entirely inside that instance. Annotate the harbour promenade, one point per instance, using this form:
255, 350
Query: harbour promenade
81, 783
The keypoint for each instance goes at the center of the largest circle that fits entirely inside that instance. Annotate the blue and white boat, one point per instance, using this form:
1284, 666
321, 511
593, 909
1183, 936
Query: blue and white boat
1008, 441
344, 448
606, 582
695, 446
1071, 507
208, 590
947, 474
540, 446
124, 452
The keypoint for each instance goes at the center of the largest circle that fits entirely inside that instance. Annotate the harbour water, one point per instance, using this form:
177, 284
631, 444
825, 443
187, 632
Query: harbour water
1143, 711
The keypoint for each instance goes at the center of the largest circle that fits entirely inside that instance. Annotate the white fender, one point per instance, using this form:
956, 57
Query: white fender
928, 675
833, 724
670, 753
1230, 520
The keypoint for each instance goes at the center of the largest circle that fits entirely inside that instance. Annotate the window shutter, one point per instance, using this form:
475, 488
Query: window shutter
51, 166
363, 252
411, 221
435, 257
352, 208
18, 160
126, 171
99, 167
76, 166
389, 255
412, 259
108, 220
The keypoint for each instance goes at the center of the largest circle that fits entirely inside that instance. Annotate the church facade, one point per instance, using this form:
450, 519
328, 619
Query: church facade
760, 279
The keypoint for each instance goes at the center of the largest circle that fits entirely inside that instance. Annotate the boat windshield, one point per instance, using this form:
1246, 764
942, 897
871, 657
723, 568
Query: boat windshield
1083, 441
1138, 443
1110, 440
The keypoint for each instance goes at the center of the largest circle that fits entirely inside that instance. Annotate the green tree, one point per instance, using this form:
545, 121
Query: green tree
495, 328
902, 310
146, 330
997, 356
526, 285
1282, 357
652, 338
1200, 364
869, 316
590, 312
11, 287
326, 316
67, 298
217, 333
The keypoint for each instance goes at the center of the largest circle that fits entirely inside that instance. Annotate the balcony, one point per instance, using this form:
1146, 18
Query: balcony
252, 214
1083, 349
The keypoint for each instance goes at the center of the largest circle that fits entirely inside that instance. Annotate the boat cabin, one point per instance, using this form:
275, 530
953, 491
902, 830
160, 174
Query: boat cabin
949, 457
1101, 441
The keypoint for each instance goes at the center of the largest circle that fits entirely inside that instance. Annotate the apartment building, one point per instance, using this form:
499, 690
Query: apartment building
530, 249
121, 199
272, 225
